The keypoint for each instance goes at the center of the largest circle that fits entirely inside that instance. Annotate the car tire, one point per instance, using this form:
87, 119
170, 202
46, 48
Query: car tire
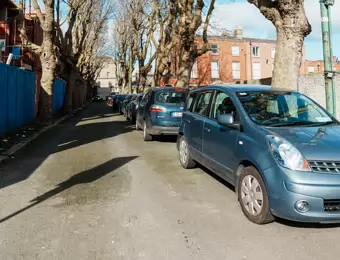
185, 157
253, 197
147, 137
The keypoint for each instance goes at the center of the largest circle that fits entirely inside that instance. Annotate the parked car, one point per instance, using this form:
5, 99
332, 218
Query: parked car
279, 148
125, 102
98, 98
131, 108
160, 111
116, 102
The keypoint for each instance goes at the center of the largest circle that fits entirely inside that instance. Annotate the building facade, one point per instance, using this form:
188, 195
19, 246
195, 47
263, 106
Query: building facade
107, 79
319, 66
235, 59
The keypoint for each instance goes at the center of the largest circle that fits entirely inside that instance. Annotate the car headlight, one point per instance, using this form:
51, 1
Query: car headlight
287, 155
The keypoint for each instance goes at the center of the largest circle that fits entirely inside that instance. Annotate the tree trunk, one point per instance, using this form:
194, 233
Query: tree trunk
292, 26
287, 67
49, 67
71, 84
142, 80
184, 70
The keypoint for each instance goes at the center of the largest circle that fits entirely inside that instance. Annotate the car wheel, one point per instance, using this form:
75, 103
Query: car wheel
184, 155
146, 135
253, 197
137, 126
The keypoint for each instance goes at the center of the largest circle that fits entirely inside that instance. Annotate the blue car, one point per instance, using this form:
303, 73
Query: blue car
131, 108
160, 111
279, 148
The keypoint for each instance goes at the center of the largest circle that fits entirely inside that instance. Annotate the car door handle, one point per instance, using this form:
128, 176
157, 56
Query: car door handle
206, 129
188, 121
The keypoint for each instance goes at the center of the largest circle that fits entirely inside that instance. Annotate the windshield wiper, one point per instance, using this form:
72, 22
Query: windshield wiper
295, 123
324, 123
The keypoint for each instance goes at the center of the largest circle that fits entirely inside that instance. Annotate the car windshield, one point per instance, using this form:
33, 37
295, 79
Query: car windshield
278, 109
171, 96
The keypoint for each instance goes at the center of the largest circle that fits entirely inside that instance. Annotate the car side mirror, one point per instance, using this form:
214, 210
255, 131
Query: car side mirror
228, 121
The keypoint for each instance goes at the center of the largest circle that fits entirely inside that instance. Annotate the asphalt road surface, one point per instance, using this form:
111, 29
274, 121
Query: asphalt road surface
91, 188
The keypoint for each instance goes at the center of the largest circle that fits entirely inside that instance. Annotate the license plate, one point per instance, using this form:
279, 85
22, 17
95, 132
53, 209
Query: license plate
178, 114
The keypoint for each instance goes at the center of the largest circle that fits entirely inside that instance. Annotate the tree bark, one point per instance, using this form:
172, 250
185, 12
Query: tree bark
292, 26
287, 67
185, 67
49, 67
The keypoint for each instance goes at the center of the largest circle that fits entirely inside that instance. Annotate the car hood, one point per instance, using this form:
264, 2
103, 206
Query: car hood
315, 143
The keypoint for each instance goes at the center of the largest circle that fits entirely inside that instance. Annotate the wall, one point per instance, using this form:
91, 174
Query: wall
17, 98
313, 85
59, 92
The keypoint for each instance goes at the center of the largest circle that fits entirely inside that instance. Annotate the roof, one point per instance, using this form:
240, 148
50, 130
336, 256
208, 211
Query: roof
245, 88
233, 39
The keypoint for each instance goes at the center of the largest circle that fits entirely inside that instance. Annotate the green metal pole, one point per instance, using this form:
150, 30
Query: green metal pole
326, 55
332, 56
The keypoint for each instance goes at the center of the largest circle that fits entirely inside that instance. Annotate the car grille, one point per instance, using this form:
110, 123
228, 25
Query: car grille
325, 166
331, 206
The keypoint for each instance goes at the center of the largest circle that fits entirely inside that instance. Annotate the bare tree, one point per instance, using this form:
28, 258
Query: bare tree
167, 38
47, 53
292, 26
189, 19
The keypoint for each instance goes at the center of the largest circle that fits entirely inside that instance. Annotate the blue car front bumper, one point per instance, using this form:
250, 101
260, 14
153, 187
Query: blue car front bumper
286, 188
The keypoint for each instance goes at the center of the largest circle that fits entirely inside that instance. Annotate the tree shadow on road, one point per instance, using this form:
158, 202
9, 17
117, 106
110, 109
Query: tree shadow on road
84, 177
70, 134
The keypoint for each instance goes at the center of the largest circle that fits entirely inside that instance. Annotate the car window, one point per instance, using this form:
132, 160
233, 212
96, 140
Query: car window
222, 105
190, 102
282, 108
202, 104
171, 97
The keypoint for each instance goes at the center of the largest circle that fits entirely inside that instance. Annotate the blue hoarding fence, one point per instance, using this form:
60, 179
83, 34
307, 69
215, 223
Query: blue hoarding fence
17, 98
59, 93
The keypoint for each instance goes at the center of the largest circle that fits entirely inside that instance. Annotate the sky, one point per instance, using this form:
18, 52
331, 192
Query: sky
230, 14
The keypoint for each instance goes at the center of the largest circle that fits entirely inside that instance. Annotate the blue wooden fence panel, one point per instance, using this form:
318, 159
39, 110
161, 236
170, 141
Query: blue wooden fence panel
59, 95
3, 98
17, 98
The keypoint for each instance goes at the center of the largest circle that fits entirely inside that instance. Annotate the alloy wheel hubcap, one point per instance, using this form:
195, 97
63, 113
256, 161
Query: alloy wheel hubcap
252, 195
183, 151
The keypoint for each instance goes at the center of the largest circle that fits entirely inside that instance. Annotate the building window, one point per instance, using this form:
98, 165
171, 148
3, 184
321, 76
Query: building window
256, 70
215, 70
194, 70
108, 74
310, 69
273, 53
236, 70
214, 49
256, 51
235, 50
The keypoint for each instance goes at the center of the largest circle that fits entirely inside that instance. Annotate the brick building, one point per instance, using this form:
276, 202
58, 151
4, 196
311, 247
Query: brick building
10, 22
319, 66
234, 59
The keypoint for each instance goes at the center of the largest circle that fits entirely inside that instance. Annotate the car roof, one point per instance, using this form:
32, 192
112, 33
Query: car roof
245, 88
167, 88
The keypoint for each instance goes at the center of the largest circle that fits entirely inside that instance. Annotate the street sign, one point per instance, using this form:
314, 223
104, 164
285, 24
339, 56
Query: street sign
2, 45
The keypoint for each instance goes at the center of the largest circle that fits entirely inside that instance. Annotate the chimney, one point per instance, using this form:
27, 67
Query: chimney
225, 34
238, 34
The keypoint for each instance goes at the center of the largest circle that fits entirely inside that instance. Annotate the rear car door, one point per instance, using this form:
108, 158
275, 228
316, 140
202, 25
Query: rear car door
220, 142
194, 119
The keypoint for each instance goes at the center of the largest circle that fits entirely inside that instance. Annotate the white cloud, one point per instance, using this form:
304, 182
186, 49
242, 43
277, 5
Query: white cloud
243, 14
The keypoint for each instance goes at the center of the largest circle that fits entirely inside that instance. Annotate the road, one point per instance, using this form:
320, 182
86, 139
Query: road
91, 188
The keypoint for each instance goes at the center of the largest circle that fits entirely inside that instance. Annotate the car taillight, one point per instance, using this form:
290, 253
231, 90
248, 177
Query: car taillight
180, 90
157, 109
